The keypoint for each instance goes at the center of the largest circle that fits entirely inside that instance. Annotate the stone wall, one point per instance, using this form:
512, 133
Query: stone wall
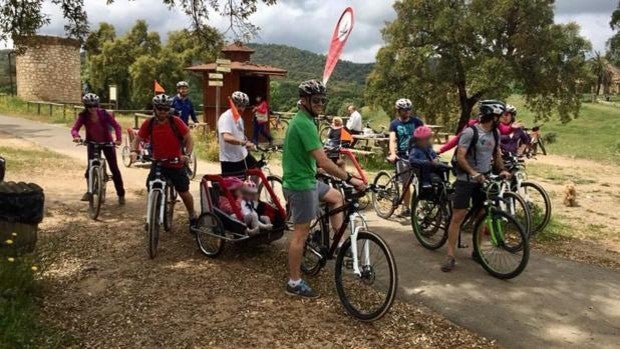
49, 69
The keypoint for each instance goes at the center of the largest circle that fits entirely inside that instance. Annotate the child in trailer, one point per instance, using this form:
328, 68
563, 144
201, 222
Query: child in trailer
249, 209
233, 185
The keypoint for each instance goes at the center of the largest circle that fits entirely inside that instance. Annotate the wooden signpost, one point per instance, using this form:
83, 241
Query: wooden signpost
216, 80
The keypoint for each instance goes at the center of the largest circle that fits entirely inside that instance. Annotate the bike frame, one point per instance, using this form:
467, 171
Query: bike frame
95, 164
351, 215
412, 180
158, 184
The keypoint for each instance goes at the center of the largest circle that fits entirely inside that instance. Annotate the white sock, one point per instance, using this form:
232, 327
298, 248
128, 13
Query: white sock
294, 283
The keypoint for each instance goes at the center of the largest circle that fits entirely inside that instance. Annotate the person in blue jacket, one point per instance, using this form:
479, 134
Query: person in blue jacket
182, 105
423, 157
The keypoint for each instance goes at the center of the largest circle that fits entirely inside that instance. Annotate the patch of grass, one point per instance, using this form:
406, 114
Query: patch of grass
20, 292
593, 135
556, 174
207, 146
23, 159
555, 230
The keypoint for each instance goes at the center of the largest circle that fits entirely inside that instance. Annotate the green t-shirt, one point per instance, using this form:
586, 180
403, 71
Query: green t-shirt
298, 164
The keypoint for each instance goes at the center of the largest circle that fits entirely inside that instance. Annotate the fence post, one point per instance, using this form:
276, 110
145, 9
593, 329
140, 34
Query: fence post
38, 108
51, 106
27, 106
64, 111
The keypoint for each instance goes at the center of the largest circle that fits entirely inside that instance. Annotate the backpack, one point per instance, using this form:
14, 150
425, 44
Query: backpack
173, 126
471, 150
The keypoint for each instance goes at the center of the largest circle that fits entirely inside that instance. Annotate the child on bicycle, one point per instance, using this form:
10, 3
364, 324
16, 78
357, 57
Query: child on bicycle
98, 123
424, 158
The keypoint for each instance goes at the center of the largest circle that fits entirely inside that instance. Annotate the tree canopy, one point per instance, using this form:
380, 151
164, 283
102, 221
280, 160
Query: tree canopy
135, 59
25, 17
447, 55
613, 44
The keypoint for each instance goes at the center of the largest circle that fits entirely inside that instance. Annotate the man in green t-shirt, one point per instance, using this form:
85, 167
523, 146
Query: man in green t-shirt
302, 152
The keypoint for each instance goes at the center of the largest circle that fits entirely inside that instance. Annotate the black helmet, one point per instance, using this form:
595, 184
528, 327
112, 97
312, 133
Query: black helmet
492, 107
311, 87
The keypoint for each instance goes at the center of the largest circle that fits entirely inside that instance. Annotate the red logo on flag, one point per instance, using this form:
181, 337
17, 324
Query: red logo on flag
339, 38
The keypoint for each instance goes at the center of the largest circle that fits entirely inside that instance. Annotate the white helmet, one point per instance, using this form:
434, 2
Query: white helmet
404, 103
240, 99
511, 109
161, 100
90, 100
182, 84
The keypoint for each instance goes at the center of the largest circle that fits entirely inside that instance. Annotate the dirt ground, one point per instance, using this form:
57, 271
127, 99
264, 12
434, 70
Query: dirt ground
104, 291
589, 232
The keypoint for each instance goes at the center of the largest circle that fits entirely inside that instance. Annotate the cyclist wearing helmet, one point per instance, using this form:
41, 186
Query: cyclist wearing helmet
478, 151
182, 105
168, 136
303, 151
513, 139
234, 155
401, 131
98, 123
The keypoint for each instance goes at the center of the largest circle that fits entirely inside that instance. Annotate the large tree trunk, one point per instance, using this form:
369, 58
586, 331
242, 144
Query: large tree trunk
467, 105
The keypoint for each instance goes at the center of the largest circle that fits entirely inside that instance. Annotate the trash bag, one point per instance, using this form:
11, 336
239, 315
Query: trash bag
21, 202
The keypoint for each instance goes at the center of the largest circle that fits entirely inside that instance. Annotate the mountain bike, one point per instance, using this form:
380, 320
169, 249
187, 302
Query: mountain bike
390, 190
501, 244
366, 277
535, 196
160, 204
536, 141
277, 122
97, 177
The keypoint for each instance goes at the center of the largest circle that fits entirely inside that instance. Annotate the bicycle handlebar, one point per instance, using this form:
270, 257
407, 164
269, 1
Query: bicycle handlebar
102, 144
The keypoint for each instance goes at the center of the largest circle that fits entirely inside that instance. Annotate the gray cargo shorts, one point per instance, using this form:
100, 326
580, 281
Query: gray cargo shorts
304, 204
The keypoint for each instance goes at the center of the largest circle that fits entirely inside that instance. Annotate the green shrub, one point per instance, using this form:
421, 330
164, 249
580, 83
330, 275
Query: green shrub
550, 138
207, 146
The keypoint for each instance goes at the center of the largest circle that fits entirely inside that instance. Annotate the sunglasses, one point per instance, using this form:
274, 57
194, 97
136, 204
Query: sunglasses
404, 109
162, 109
318, 100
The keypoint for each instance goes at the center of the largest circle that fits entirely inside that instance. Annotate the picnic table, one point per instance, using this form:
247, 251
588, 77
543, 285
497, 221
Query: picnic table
437, 134
373, 141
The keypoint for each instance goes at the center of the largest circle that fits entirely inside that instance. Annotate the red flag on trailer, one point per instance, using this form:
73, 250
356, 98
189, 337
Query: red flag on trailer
339, 38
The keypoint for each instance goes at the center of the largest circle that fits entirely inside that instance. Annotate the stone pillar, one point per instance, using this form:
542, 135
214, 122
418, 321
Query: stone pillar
49, 69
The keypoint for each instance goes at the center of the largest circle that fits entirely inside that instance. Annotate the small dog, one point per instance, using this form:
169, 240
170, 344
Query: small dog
570, 195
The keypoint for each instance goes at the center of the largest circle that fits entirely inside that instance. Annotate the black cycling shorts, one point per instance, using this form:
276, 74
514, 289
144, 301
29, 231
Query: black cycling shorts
178, 177
466, 194
234, 168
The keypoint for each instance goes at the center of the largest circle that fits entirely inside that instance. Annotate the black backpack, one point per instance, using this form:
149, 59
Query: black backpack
471, 150
173, 126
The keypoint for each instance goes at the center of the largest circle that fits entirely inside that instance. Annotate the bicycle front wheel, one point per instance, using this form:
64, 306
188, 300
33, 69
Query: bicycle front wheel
502, 244
366, 290
429, 221
516, 206
539, 204
96, 197
153, 225
126, 155
170, 202
384, 195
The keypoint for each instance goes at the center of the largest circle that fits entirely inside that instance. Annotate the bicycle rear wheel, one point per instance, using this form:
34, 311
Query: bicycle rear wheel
324, 133
153, 225
209, 225
384, 195
370, 295
539, 204
429, 221
126, 155
96, 197
502, 244
171, 199
313, 259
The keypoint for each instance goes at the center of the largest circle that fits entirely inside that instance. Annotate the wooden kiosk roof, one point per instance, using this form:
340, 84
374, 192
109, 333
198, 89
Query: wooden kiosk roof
240, 54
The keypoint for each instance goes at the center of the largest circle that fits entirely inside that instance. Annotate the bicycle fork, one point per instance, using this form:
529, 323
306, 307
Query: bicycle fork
150, 202
366, 253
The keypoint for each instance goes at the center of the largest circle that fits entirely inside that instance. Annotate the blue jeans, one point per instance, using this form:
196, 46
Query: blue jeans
261, 129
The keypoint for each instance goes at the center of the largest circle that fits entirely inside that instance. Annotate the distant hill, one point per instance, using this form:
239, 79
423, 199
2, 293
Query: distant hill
303, 65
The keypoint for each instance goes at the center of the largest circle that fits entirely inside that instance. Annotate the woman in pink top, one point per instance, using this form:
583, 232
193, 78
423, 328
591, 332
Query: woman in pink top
260, 126
98, 124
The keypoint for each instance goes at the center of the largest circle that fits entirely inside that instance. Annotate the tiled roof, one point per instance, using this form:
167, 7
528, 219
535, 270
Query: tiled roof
242, 66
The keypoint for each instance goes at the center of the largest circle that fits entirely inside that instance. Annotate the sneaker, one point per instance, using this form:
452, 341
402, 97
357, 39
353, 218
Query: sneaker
86, 197
193, 222
121, 200
448, 265
302, 290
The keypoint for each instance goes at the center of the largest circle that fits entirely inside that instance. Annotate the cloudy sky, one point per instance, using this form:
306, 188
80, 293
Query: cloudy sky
308, 24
